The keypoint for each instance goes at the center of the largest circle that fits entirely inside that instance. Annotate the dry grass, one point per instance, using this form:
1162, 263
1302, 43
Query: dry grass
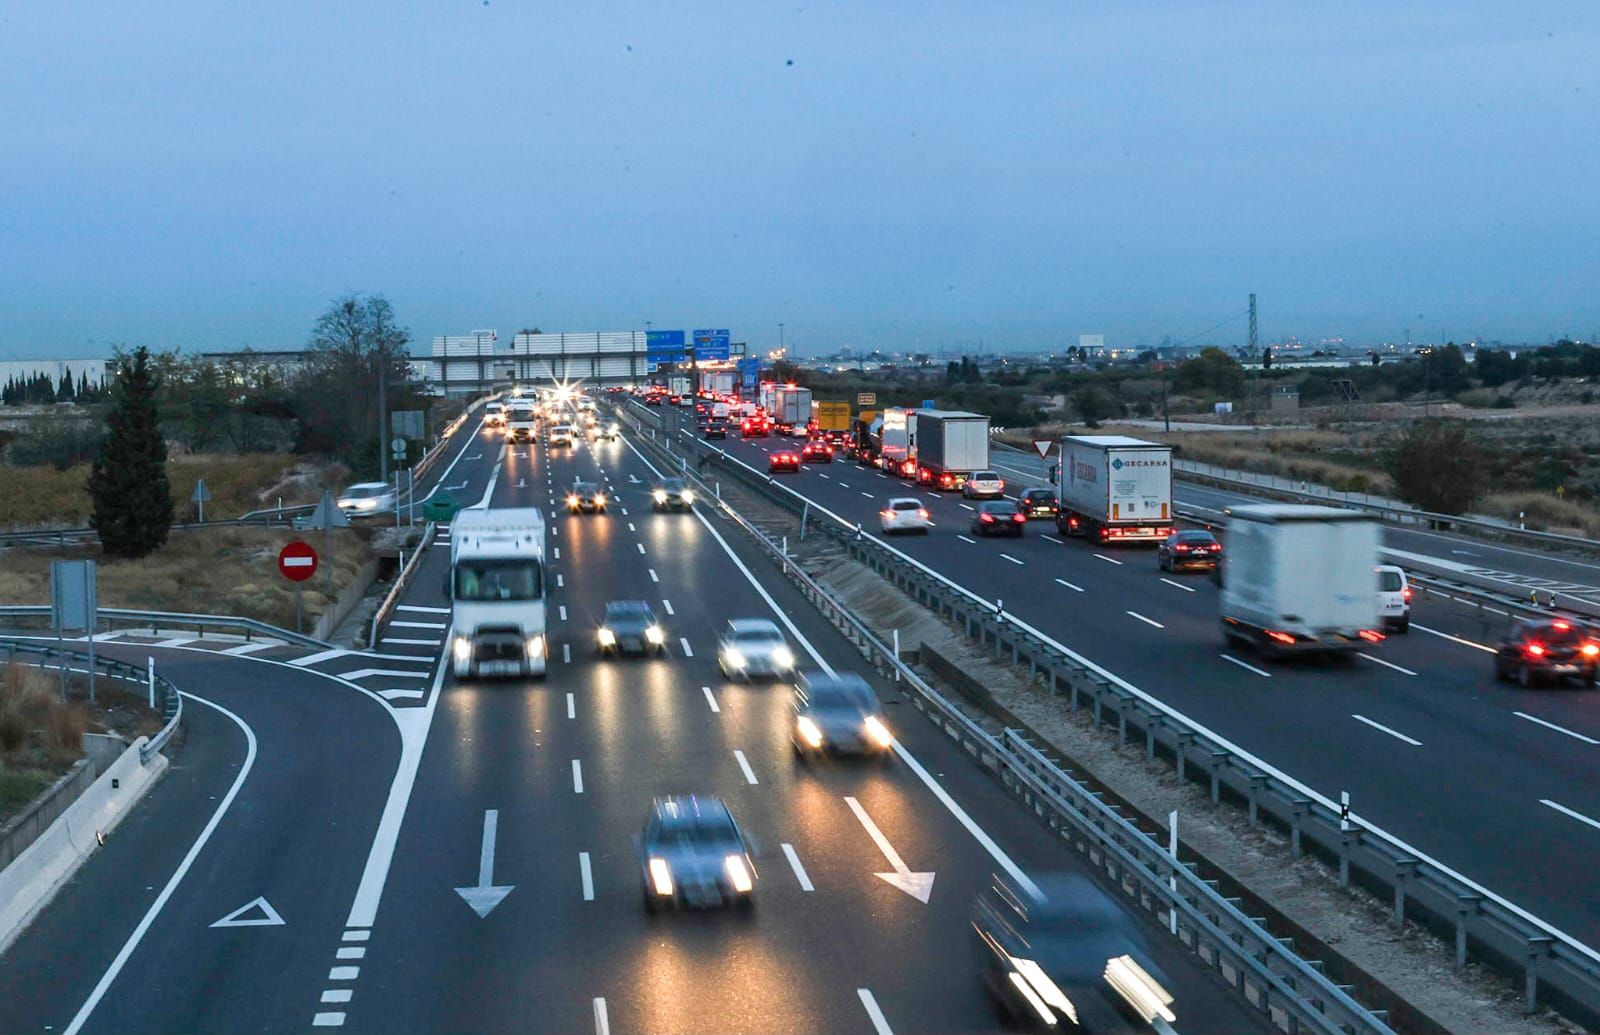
1544, 512
40, 736
224, 571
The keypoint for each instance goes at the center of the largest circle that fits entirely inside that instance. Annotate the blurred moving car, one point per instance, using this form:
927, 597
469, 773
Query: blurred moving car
817, 451
838, 715
1073, 955
693, 854
998, 517
753, 647
672, 494
904, 514
586, 498
562, 435
367, 498
1039, 503
783, 461
716, 427
754, 427
1394, 597
494, 415
1190, 548
1537, 650
630, 627
984, 485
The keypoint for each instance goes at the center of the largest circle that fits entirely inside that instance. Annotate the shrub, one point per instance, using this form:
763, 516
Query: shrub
58, 442
1438, 465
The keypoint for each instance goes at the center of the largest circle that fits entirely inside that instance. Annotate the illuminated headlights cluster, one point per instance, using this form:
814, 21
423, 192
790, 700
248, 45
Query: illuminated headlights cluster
734, 658
783, 657
462, 648
1040, 991
535, 646
809, 731
878, 731
661, 495
607, 637
656, 635
661, 877
738, 873
1141, 991
688, 495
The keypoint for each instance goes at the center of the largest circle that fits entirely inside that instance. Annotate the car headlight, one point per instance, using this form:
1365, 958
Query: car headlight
688, 495
655, 634
607, 637
734, 658
535, 646
462, 648
878, 731
1037, 987
738, 873
809, 732
600, 499
1141, 991
783, 657
660, 495
661, 877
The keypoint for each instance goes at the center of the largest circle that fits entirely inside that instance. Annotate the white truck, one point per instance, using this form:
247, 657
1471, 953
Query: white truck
521, 420
792, 410
893, 443
678, 385
718, 382
497, 608
1115, 489
948, 446
1298, 579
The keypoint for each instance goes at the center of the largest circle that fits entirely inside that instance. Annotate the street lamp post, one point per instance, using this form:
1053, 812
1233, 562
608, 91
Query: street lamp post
781, 349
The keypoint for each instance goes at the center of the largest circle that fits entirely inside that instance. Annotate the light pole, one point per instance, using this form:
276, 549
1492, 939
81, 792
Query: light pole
383, 443
781, 350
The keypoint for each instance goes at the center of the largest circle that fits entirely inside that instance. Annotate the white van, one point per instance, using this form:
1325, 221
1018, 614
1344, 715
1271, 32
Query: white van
1394, 597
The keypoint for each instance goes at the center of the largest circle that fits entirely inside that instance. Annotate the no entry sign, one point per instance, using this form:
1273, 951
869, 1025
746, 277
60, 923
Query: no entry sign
297, 561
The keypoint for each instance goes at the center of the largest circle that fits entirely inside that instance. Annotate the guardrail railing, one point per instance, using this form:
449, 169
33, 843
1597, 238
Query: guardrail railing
41, 655
1554, 966
1275, 980
114, 619
407, 573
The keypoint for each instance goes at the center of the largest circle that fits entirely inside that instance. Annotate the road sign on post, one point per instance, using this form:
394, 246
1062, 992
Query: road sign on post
73, 606
866, 398
1042, 446
711, 344
201, 497
297, 561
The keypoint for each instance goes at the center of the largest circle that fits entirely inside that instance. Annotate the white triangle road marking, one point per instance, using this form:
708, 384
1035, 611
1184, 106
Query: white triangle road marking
240, 917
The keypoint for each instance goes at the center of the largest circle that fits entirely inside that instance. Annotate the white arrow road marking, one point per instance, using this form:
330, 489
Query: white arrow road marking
632, 480
266, 915
918, 885
486, 895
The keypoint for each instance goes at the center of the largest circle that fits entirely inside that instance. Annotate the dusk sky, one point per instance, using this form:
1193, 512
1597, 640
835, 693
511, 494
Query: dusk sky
880, 174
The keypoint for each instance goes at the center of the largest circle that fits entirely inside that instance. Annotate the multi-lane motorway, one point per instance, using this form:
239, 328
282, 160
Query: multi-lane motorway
1493, 781
361, 842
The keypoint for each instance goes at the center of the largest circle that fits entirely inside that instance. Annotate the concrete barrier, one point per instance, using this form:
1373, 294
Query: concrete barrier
32, 879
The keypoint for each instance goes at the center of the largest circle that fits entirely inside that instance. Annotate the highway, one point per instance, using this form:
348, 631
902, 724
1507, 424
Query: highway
356, 793
1493, 781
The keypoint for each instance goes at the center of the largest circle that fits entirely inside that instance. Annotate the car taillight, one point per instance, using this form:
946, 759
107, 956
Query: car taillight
946, 480
1281, 637
985, 517
1590, 650
924, 515
1407, 593
1019, 517
1072, 522
1371, 635
1000, 485
1182, 549
1535, 650
1558, 624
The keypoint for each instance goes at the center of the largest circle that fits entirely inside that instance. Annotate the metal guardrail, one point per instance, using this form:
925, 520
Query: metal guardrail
1266, 971
63, 536
114, 618
1486, 927
407, 572
40, 654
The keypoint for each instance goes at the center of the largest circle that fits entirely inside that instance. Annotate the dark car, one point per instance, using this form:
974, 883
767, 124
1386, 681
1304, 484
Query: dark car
783, 460
692, 853
585, 497
630, 627
1072, 958
817, 451
998, 517
653, 399
838, 715
1192, 548
1039, 503
754, 427
672, 494
716, 428
1554, 649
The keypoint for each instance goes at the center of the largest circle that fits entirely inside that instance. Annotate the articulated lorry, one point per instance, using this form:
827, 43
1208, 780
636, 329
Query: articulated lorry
948, 446
893, 441
1298, 579
1114, 489
497, 596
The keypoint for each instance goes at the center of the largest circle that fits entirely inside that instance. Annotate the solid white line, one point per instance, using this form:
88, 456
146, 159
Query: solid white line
880, 1024
1386, 664
744, 763
1146, 621
1453, 639
667, 605
964, 539
150, 915
363, 673
1558, 729
799, 871
1010, 558
711, 699
1179, 585
1069, 585
1108, 560
1241, 664
577, 777
587, 875
1393, 733
1580, 817
602, 1023
653, 576
572, 706
688, 651
1051, 538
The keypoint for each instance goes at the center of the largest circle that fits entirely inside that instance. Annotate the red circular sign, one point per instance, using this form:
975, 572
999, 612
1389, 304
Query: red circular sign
297, 561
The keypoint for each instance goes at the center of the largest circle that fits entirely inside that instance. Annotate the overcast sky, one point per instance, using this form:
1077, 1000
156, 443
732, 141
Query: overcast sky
878, 173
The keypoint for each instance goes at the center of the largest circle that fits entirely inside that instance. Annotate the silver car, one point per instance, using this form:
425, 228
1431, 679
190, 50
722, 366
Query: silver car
367, 498
838, 715
753, 647
693, 854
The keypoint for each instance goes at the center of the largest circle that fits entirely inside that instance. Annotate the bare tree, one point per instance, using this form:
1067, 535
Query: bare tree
358, 351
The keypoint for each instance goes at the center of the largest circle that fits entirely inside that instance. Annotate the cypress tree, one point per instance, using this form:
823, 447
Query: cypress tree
64, 391
128, 482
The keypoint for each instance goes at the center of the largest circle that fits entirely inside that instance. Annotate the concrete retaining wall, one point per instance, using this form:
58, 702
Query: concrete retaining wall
346, 602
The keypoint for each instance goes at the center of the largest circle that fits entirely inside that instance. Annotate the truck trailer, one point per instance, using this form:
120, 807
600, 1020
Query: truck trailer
791, 413
1298, 579
833, 420
892, 441
497, 595
949, 445
1114, 489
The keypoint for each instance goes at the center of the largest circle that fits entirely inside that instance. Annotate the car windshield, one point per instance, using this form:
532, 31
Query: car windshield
624, 614
1389, 582
361, 492
673, 485
906, 505
985, 476
848, 697
521, 579
1555, 634
695, 829
769, 635
583, 488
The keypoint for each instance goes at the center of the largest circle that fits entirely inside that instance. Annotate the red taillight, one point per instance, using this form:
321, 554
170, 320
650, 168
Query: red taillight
1371, 635
1407, 593
985, 517
1536, 650
922, 514
1561, 625
947, 479
1019, 517
1072, 522
1281, 637
1180, 548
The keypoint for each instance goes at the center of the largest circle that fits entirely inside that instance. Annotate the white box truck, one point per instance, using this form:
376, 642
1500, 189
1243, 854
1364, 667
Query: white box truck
521, 423
892, 442
718, 382
1115, 489
1299, 578
497, 608
792, 415
948, 445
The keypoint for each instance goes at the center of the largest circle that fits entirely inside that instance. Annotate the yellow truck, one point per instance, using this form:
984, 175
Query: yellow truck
833, 420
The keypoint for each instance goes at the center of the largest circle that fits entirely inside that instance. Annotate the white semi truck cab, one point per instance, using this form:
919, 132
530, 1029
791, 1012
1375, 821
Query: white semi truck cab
497, 593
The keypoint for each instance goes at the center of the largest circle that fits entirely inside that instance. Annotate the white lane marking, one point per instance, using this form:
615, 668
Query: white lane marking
392, 695
602, 1023
868, 495
1242, 664
312, 659
336, 995
1396, 734
744, 764
844, 483
150, 915
245, 648
1386, 664
561, 581
1580, 817
964, 539
1558, 729
966, 506
1179, 585
556, 550
640, 546
711, 699
653, 576
587, 875
418, 625
566, 653
880, 1024
631, 528
350, 952
327, 1020
799, 871
344, 973
1108, 560
688, 651
1069, 585
577, 777
412, 643
1146, 621
1051, 538
1453, 639
667, 605
1010, 558
572, 706
563, 609
356, 936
